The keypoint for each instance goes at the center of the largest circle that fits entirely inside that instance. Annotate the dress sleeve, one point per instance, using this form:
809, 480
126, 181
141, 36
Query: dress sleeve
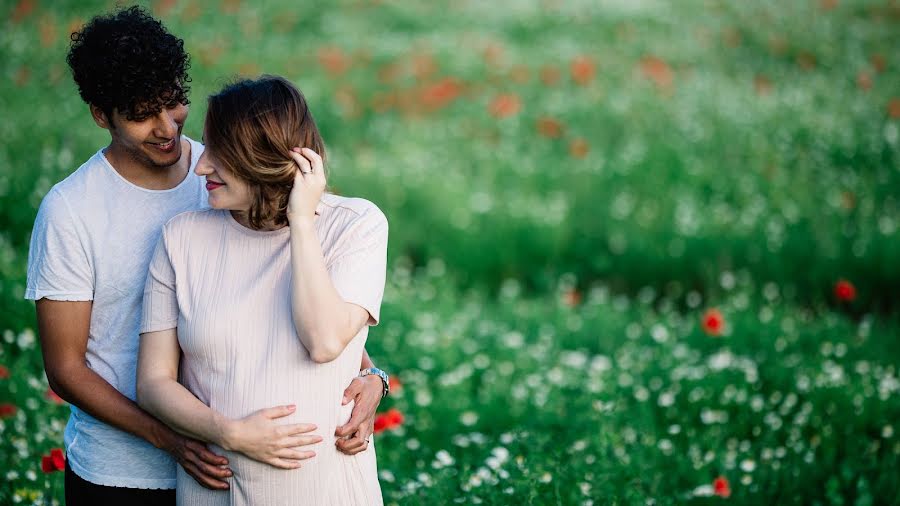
160, 306
358, 271
59, 266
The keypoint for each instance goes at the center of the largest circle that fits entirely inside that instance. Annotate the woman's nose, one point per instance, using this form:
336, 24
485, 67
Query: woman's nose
202, 169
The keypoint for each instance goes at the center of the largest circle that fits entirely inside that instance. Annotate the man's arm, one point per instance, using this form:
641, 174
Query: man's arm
353, 436
63, 329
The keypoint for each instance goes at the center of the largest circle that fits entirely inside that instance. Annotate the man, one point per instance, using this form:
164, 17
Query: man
90, 249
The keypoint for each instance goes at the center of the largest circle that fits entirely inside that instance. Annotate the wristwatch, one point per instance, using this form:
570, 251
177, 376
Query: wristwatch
385, 382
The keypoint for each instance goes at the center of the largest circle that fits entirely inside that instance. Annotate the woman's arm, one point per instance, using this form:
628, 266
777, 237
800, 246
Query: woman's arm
258, 436
325, 322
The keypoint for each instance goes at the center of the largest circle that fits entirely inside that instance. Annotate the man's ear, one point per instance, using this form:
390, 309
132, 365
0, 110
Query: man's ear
100, 118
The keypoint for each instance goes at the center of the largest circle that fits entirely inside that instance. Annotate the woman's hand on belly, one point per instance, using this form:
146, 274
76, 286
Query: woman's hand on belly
260, 437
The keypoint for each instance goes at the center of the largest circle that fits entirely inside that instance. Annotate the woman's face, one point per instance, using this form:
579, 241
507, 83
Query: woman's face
226, 191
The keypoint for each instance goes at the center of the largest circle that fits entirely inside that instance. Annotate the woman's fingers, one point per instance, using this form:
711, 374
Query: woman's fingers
293, 454
284, 463
296, 428
313, 157
278, 411
302, 162
295, 441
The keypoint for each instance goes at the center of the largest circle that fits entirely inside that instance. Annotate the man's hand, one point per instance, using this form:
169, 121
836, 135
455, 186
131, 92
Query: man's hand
203, 465
352, 437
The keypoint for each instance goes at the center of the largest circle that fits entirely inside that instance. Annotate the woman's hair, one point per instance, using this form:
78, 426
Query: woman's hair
251, 126
127, 61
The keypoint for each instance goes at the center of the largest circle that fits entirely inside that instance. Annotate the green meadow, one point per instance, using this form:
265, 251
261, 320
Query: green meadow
641, 252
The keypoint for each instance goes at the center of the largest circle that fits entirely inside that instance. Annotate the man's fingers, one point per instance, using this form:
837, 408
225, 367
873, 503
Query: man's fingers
203, 479
205, 455
351, 446
352, 390
351, 426
210, 470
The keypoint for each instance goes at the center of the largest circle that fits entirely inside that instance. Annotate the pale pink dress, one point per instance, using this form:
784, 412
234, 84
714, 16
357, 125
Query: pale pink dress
227, 290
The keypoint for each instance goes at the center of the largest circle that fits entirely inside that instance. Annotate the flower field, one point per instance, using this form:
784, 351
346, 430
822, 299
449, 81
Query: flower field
641, 252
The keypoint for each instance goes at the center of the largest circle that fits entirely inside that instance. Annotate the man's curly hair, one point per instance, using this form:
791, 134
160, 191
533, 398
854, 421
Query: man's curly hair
127, 61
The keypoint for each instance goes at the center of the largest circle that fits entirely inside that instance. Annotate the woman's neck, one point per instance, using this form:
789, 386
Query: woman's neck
242, 218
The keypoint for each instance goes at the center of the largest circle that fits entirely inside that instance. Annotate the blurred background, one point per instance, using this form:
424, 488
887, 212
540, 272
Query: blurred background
641, 252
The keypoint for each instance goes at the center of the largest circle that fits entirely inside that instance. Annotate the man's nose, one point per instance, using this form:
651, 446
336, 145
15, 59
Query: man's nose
166, 127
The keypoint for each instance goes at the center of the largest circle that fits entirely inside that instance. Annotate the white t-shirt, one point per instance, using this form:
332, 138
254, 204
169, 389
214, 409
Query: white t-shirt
93, 239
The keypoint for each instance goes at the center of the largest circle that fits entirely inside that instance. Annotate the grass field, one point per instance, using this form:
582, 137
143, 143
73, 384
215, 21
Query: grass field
641, 252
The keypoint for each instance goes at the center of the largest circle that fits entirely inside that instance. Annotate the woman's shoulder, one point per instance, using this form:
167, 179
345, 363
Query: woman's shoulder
185, 225
350, 210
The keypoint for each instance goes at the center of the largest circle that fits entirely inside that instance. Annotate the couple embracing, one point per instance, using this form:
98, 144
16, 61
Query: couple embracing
204, 309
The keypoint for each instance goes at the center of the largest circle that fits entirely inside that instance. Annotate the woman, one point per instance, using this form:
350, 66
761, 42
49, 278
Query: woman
272, 292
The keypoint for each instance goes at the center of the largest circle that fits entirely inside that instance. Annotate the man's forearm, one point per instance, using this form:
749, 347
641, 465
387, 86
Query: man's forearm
366, 361
87, 390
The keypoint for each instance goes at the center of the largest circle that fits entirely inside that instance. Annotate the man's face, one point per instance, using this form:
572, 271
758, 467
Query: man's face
152, 142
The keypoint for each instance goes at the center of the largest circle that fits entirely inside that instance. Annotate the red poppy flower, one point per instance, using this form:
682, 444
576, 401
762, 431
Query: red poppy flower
578, 148
879, 62
658, 71
56, 461
22, 10
505, 105
47, 464
712, 322
8, 410
762, 84
721, 487
894, 108
549, 75
844, 290
583, 70
864, 81
58, 458
4, 372
386, 421
571, 298
549, 127
51, 396
437, 95
333, 60
395, 384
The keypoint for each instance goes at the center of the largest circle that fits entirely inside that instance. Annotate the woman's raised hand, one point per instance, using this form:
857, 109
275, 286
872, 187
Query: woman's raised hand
309, 183
260, 437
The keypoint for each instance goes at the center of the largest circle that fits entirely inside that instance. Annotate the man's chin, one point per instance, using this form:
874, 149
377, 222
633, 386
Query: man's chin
163, 160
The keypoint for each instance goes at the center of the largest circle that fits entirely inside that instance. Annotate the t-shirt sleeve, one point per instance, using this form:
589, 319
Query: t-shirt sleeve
160, 304
358, 271
59, 266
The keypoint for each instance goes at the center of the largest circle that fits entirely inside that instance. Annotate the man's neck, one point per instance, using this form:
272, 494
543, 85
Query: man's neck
146, 176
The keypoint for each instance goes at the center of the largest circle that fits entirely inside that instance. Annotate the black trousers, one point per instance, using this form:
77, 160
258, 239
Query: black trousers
80, 492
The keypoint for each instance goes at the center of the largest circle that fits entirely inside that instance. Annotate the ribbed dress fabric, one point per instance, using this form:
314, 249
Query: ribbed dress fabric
227, 290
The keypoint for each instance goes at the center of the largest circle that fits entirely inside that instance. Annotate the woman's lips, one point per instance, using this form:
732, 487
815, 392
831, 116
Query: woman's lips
211, 185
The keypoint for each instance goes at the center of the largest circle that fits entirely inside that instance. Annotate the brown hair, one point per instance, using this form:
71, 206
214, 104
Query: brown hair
251, 126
